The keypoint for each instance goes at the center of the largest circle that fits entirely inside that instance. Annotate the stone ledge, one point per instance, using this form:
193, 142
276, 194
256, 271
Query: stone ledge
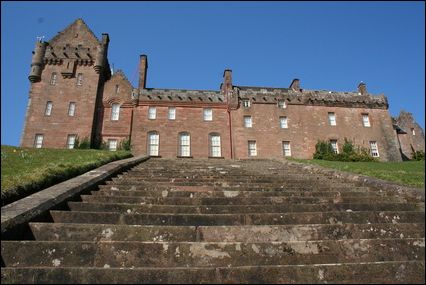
28, 208
363, 180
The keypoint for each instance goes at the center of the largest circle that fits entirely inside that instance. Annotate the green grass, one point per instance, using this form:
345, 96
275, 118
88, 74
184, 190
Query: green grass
408, 173
28, 170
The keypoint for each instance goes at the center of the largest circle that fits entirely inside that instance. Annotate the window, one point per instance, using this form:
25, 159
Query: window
247, 121
172, 113
332, 119
153, 143
374, 150
184, 144
282, 104
252, 151
215, 150
286, 149
246, 103
413, 132
71, 109
48, 110
71, 141
208, 114
79, 79
38, 141
53, 78
283, 123
365, 120
117, 89
152, 113
112, 145
334, 146
115, 112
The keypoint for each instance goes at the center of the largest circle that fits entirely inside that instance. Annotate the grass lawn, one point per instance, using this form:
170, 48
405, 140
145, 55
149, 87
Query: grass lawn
409, 173
28, 170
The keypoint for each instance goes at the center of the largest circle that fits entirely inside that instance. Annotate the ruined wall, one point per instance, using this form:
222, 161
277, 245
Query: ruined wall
414, 139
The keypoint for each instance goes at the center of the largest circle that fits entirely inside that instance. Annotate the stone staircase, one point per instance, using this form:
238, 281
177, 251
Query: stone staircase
221, 221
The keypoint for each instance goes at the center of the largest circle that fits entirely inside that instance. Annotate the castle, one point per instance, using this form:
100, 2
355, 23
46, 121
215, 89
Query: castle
74, 95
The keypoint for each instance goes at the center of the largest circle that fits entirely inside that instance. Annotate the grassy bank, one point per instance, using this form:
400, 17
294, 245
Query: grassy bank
27, 170
409, 173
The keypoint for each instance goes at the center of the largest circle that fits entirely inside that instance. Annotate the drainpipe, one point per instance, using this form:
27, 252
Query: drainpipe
230, 131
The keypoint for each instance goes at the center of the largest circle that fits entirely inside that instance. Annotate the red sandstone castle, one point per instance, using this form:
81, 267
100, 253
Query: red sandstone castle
74, 95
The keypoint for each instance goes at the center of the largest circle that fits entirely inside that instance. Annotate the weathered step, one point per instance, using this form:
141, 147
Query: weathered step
282, 233
390, 272
95, 206
190, 254
115, 191
226, 201
238, 219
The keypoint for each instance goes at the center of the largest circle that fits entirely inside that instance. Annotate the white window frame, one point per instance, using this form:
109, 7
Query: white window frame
71, 141
184, 144
215, 145
248, 122
208, 114
335, 146
374, 149
79, 79
115, 112
246, 103
172, 113
49, 107
286, 148
284, 122
366, 120
332, 118
38, 141
112, 144
282, 104
152, 113
153, 143
53, 78
252, 148
413, 132
71, 109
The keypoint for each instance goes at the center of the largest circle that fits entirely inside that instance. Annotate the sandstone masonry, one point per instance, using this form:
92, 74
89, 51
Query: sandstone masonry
74, 95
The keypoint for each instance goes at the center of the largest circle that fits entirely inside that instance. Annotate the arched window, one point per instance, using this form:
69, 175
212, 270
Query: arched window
153, 143
214, 142
184, 144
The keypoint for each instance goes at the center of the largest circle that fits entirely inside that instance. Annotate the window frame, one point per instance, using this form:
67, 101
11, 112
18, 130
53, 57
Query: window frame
53, 78
73, 110
246, 103
251, 143
284, 143
250, 120
186, 153
376, 146
169, 113
282, 104
332, 119
215, 148
48, 109
115, 111
68, 141
109, 144
207, 114
152, 115
79, 79
366, 123
283, 119
150, 145
335, 146
38, 144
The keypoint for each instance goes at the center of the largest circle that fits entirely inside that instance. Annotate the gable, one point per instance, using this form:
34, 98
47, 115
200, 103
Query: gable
78, 33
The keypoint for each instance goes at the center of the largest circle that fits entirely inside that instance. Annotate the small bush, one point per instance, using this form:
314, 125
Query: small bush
418, 155
125, 145
324, 151
84, 144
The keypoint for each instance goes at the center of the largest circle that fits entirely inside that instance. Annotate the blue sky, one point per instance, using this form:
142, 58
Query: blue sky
327, 45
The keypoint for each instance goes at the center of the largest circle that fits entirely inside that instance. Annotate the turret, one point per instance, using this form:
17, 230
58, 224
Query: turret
37, 61
100, 55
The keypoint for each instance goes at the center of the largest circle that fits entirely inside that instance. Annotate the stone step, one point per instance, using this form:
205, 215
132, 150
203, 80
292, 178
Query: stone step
96, 206
386, 272
238, 219
229, 201
115, 191
209, 254
281, 233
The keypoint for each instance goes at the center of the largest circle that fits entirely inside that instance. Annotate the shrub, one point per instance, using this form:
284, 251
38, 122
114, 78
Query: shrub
324, 151
418, 155
125, 144
84, 144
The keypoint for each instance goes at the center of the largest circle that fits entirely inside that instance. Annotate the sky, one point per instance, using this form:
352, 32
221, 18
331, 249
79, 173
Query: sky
327, 45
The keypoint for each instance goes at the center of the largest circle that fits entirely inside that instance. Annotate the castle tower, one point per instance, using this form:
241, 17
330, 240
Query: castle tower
67, 77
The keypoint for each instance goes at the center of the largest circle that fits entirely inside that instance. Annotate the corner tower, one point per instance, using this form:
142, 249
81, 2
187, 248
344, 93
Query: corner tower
67, 77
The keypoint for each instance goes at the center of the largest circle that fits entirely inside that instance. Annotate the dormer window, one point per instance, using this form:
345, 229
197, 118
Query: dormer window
246, 103
282, 104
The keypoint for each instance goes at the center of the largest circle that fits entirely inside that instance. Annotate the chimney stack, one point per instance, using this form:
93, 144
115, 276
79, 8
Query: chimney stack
362, 88
295, 85
227, 80
143, 66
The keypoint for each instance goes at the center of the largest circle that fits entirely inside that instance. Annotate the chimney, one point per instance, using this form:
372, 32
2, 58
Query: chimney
362, 88
295, 85
143, 66
227, 80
